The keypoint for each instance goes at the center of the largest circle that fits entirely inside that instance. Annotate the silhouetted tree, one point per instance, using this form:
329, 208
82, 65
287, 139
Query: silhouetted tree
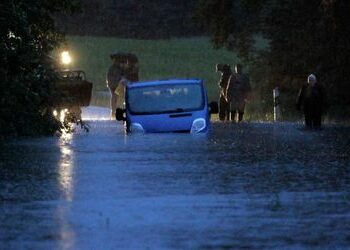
27, 36
302, 37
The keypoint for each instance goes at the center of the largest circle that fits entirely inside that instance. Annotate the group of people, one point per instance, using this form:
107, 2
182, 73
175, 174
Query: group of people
235, 90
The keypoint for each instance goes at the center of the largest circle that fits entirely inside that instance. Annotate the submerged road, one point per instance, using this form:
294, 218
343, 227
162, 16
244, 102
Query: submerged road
253, 185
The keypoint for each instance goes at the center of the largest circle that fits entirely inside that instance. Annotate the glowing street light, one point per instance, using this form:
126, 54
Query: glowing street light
65, 58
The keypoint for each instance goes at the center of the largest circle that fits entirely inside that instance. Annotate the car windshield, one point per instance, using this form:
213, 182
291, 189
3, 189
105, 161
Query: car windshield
165, 98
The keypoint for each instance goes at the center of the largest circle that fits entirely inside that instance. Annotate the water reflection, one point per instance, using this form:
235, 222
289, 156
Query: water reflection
240, 186
96, 113
66, 233
66, 166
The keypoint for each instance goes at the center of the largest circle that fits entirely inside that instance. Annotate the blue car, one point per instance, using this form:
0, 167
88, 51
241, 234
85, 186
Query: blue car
167, 106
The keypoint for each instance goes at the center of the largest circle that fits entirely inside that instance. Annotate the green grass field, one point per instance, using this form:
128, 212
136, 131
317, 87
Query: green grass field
174, 58
159, 59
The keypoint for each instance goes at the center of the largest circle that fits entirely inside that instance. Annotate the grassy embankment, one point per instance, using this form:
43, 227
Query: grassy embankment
159, 59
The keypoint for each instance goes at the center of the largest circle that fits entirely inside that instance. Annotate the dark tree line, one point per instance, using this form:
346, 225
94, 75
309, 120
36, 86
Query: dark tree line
303, 37
27, 36
153, 19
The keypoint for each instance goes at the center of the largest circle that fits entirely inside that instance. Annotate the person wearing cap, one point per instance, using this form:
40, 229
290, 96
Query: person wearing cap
237, 92
312, 98
115, 77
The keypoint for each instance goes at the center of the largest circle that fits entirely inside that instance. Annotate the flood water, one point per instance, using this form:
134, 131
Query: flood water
253, 185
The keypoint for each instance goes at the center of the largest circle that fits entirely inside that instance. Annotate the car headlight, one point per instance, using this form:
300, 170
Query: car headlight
198, 125
136, 128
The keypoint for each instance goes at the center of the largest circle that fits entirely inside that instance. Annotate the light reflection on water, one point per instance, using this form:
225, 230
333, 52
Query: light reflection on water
66, 166
65, 233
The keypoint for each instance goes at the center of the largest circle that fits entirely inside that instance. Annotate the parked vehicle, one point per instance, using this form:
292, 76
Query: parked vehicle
175, 105
73, 91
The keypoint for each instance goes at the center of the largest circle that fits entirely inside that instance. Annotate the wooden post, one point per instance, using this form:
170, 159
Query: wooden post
277, 113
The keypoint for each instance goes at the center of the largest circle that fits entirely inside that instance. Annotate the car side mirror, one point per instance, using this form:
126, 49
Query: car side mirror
119, 114
213, 108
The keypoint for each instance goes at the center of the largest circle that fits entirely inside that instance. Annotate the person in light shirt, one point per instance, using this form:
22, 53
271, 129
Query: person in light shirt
116, 81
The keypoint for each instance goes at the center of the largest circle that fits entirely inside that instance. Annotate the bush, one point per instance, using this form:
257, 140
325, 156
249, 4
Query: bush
27, 37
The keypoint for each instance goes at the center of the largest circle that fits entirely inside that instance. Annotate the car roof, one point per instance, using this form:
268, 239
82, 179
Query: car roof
165, 82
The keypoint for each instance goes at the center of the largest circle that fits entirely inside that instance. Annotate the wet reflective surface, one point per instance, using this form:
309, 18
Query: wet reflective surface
253, 185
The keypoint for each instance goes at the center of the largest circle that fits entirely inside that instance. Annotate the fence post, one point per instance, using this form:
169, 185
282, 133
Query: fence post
277, 113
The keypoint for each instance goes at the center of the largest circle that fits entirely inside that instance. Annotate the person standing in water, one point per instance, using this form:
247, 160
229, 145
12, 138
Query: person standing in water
115, 77
313, 99
237, 92
224, 106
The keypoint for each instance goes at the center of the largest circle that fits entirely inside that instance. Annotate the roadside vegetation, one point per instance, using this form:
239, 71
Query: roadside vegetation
303, 37
27, 36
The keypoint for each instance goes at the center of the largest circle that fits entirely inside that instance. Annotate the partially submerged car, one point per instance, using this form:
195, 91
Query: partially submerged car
175, 105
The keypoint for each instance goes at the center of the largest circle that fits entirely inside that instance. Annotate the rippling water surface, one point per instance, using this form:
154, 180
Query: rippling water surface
253, 185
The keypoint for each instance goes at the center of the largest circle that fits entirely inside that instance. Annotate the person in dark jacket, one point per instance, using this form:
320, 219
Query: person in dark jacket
312, 98
224, 106
132, 70
237, 92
